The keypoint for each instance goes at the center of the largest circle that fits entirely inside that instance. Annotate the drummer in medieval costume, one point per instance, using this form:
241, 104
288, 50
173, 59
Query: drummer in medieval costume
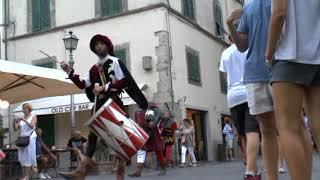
107, 78
167, 128
150, 124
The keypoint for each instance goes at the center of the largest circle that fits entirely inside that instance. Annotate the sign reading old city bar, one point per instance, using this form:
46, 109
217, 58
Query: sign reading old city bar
78, 107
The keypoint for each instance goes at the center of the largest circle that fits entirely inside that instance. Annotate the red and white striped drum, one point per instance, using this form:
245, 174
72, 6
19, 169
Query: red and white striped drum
119, 132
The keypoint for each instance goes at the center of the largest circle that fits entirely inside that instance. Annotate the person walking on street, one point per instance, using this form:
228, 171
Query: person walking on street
294, 50
229, 135
251, 35
187, 142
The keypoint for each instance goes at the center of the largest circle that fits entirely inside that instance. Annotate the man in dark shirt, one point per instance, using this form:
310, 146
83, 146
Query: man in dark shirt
76, 142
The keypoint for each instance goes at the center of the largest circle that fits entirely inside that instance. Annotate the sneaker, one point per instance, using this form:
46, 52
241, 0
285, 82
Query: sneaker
257, 177
42, 176
181, 165
281, 170
47, 175
249, 177
190, 164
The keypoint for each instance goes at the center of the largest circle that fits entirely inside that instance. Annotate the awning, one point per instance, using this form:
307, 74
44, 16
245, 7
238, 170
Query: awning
21, 82
61, 104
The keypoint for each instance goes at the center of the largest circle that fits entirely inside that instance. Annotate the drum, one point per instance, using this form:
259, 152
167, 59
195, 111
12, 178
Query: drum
117, 130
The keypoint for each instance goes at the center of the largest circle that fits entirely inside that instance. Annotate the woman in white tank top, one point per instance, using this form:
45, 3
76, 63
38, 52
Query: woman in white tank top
27, 155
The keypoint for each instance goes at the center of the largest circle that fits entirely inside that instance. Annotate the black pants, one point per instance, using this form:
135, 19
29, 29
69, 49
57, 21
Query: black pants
92, 144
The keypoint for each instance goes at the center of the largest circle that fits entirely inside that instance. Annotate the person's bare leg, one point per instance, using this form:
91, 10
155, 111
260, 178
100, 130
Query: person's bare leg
252, 151
313, 104
308, 147
287, 98
120, 169
269, 144
243, 146
281, 157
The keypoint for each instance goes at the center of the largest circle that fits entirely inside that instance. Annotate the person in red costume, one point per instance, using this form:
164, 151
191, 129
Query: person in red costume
107, 78
167, 127
150, 124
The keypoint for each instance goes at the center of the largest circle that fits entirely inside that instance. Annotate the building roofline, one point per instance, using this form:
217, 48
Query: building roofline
126, 13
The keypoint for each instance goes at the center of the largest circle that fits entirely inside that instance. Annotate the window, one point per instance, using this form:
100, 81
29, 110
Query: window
41, 18
110, 7
45, 62
122, 55
219, 30
193, 65
188, 8
122, 51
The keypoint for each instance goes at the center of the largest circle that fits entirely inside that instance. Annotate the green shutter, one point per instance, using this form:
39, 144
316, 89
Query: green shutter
36, 15
191, 10
188, 8
46, 65
103, 7
193, 67
114, 7
117, 6
110, 7
45, 14
122, 55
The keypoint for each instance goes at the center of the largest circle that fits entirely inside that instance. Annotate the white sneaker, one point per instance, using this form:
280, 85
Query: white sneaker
194, 164
42, 176
281, 170
47, 175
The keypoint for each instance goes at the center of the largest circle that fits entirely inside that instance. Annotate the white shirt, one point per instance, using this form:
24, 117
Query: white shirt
300, 37
232, 63
227, 131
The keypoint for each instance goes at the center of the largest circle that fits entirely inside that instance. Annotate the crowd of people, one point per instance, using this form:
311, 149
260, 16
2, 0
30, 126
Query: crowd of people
273, 74
278, 78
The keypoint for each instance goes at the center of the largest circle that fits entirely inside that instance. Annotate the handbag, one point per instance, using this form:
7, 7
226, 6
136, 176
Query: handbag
23, 141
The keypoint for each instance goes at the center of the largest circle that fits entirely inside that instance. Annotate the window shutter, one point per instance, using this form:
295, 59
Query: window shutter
122, 55
193, 67
191, 10
46, 65
117, 6
36, 15
45, 14
103, 7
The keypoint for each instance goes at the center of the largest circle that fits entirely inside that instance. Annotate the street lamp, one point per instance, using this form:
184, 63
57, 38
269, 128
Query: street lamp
70, 42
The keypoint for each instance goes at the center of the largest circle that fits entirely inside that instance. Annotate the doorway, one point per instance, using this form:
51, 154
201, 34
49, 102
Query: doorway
199, 123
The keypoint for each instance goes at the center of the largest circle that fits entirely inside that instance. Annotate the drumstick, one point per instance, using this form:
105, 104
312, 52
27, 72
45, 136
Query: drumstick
95, 99
50, 56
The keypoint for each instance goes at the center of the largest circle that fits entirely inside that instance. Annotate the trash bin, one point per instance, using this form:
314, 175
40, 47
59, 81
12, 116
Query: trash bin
221, 152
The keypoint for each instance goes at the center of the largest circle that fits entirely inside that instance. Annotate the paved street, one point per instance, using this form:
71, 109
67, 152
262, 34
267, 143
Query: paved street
208, 171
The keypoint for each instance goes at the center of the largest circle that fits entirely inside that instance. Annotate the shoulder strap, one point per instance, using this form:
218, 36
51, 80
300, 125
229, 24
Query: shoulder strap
29, 127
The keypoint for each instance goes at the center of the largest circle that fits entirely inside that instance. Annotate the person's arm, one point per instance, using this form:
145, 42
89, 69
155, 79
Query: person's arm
16, 124
222, 68
225, 130
33, 122
70, 147
278, 16
45, 147
80, 83
239, 38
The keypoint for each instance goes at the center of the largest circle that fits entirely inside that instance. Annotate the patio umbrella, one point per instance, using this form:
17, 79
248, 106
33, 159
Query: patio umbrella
22, 82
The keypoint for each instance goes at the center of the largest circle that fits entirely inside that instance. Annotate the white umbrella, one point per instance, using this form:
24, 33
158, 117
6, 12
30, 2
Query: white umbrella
21, 82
